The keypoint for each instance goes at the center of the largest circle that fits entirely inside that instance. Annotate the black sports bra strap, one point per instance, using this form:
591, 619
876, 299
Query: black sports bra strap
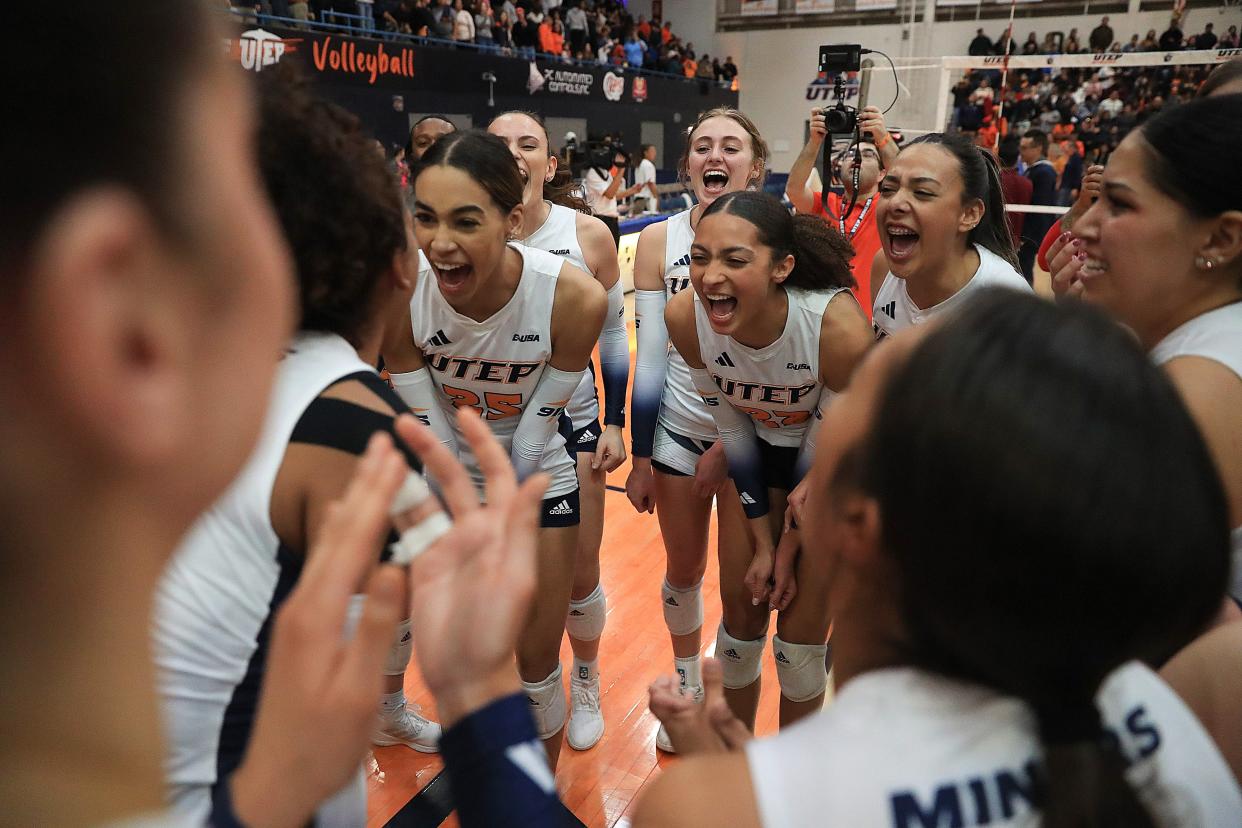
347, 426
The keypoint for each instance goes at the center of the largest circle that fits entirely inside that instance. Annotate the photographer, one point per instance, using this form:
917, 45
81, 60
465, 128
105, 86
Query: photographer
853, 212
603, 185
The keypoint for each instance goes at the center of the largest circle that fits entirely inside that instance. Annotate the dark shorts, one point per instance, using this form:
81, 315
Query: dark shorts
560, 512
674, 448
779, 465
585, 439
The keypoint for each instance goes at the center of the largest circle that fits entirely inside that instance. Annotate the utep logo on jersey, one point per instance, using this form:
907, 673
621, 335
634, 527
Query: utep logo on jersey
482, 370
761, 393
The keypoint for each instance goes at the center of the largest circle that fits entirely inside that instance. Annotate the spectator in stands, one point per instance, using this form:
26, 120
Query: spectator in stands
576, 23
445, 20
728, 70
502, 35
705, 70
643, 29
1072, 46
634, 50
1049, 46
1206, 39
1101, 37
1015, 186
1031, 47
525, 34
551, 37
1133, 45
647, 198
1150, 42
1230, 40
690, 67
484, 21
981, 45
463, 23
1071, 173
666, 32
1111, 105
1172, 38
1004, 44
1034, 151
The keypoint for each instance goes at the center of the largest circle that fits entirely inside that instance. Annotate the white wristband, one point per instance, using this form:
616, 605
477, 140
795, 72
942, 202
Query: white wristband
416, 540
413, 493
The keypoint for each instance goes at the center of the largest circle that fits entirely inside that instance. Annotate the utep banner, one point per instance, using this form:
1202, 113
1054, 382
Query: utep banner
371, 62
358, 61
1105, 59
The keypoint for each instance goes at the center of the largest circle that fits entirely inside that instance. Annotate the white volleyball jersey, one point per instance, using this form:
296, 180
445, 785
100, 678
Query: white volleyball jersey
1215, 335
777, 386
895, 311
682, 410
558, 235
493, 366
215, 602
904, 748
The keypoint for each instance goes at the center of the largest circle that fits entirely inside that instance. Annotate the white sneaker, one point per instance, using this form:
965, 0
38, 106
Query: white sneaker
586, 722
406, 727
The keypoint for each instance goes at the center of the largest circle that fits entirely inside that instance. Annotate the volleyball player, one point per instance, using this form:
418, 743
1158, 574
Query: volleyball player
146, 301
770, 332
1162, 250
425, 132
557, 222
677, 466
943, 235
506, 330
348, 234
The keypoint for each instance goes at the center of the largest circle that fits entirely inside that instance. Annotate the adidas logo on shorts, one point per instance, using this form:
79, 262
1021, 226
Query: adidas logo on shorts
671, 601
780, 658
562, 508
747, 499
586, 437
732, 653
575, 612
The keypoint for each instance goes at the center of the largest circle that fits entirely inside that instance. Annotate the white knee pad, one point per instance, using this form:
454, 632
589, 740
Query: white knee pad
800, 669
741, 661
683, 608
547, 703
585, 621
399, 652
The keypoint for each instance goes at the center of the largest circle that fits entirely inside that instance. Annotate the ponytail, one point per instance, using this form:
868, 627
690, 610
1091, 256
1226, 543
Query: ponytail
980, 179
1083, 781
821, 254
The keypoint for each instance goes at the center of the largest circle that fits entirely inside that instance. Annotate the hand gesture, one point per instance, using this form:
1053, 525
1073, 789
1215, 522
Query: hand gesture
759, 574
785, 586
698, 727
609, 449
711, 472
1065, 258
640, 486
470, 591
871, 120
819, 126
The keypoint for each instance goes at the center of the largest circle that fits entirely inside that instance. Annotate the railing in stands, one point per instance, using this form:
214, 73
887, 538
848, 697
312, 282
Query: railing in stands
359, 25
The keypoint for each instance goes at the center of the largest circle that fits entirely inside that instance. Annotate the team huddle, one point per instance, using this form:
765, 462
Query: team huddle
1019, 519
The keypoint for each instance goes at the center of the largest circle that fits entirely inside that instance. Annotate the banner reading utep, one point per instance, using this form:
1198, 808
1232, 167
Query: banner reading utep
366, 60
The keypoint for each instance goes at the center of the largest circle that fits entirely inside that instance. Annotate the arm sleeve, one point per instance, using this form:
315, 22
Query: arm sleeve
419, 393
497, 771
650, 367
1049, 239
614, 357
741, 446
539, 418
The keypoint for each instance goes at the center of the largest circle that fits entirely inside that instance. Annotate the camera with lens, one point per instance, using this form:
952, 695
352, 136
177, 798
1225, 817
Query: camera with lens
841, 119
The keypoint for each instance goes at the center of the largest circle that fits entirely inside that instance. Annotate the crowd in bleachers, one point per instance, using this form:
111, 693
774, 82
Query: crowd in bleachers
595, 31
1101, 39
1089, 108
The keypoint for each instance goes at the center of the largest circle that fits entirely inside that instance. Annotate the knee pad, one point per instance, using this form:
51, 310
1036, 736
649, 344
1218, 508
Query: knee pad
547, 703
800, 669
585, 621
399, 652
741, 661
683, 608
